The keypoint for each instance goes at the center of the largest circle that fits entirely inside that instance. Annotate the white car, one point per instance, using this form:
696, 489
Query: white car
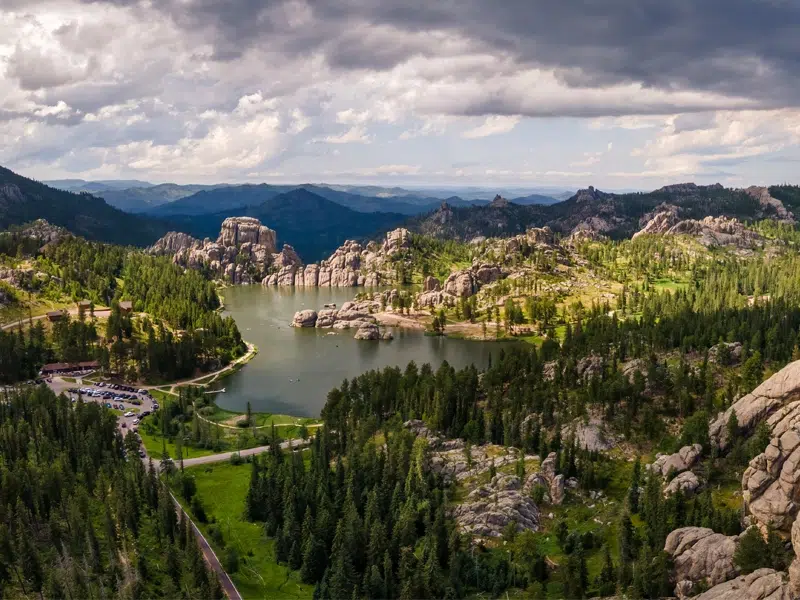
128, 414
136, 421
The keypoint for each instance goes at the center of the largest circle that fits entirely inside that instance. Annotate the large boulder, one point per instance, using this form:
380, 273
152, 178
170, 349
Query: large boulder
305, 318
699, 554
327, 317
546, 477
685, 483
683, 460
461, 284
777, 391
368, 331
592, 436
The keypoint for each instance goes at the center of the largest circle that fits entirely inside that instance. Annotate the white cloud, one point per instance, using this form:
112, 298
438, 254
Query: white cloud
354, 135
492, 125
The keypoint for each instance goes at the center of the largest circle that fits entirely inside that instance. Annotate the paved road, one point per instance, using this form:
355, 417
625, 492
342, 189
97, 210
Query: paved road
212, 458
208, 553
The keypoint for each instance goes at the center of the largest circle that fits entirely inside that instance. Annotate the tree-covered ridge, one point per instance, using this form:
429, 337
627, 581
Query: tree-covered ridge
620, 214
183, 333
22, 200
78, 520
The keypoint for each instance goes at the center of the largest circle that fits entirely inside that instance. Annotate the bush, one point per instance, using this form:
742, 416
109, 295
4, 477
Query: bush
231, 560
236, 459
199, 510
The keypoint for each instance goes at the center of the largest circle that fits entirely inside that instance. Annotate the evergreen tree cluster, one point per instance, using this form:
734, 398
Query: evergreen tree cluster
78, 520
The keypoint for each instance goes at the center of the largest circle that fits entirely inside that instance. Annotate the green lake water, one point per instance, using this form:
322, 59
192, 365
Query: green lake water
295, 368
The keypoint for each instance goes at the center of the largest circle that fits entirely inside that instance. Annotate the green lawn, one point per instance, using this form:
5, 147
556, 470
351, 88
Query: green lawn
154, 444
222, 488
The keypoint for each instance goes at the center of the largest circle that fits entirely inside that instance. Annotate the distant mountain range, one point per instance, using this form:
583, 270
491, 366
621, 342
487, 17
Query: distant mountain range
169, 199
315, 219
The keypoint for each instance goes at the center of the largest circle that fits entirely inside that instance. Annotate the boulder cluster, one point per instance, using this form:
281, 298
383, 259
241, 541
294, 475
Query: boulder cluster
352, 315
490, 508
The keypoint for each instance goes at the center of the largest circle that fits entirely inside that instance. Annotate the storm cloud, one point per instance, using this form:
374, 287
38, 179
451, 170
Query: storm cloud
158, 84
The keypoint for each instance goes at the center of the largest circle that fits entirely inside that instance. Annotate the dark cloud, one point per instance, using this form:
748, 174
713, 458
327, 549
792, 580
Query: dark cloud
739, 48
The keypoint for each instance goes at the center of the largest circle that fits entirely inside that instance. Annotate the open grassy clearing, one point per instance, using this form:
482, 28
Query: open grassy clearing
222, 489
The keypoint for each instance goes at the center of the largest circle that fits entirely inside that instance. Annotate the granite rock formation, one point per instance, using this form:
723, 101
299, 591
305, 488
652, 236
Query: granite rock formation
492, 507
779, 390
243, 252
699, 554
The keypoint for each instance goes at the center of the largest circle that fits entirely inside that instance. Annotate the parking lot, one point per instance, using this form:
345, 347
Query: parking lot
134, 404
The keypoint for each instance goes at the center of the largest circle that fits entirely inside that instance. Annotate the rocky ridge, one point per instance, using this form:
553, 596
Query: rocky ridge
710, 231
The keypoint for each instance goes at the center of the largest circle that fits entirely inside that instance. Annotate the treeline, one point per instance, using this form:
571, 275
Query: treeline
78, 520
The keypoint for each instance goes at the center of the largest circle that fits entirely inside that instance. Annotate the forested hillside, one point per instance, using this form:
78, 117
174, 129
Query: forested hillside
23, 200
183, 332
78, 520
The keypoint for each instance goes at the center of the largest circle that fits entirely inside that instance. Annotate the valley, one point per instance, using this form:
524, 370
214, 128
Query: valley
537, 401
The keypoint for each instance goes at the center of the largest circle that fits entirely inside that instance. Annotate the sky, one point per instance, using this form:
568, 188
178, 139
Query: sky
611, 93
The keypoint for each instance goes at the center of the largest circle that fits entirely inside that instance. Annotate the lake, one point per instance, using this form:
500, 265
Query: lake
296, 368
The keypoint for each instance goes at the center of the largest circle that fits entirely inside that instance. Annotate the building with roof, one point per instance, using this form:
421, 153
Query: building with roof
57, 315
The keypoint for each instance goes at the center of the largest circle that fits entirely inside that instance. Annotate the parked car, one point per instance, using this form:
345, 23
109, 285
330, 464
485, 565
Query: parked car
128, 414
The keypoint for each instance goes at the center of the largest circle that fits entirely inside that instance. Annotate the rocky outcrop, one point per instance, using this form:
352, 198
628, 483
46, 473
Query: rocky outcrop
718, 231
352, 315
42, 232
771, 482
731, 350
763, 584
243, 252
672, 464
591, 436
710, 231
547, 478
685, 483
769, 204
461, 284
490, 508
589, 366
173, 242
699, 554
368, 331
305, 318
431, 284
777, 391
660, 222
